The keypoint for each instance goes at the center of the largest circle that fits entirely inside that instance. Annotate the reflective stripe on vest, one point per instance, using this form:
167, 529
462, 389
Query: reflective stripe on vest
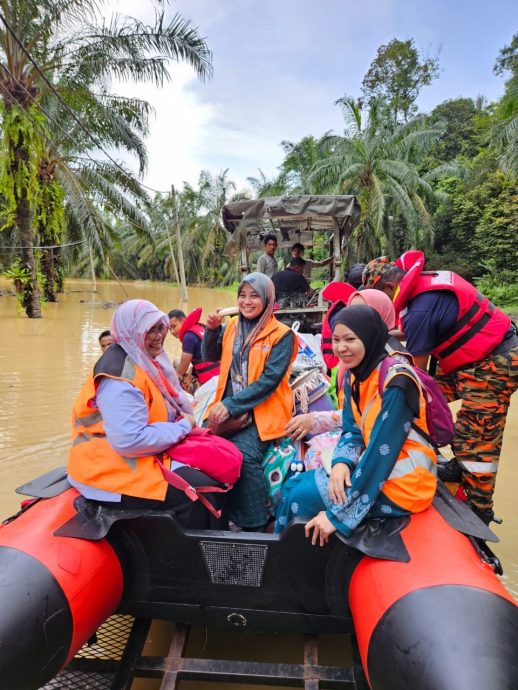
94, 462
480, 326
415, 459
412, 482
480, 467
84, 437
88, 420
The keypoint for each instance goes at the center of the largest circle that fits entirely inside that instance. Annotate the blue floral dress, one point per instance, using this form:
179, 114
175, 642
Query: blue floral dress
306, 494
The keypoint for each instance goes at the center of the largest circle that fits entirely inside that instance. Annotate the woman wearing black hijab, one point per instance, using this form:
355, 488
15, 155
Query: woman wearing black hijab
382, 466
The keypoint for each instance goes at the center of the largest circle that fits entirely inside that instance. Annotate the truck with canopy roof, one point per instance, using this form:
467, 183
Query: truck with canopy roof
292, 219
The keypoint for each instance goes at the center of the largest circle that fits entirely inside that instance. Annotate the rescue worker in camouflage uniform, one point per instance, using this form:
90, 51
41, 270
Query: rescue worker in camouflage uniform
476, 346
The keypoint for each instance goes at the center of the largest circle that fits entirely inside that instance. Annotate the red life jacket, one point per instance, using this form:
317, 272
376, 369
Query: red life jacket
339, 293
479, 328
191, 324
326, 343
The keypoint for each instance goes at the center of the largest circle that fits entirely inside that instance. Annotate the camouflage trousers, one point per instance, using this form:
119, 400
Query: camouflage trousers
485, 389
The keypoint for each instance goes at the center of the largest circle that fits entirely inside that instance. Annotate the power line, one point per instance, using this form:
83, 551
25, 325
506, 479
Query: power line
47, 115
42, 131
47, 246
66, 106
69, 110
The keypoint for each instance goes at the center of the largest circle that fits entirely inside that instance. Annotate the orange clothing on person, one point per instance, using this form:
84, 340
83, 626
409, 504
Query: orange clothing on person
272, 415
412, 482
94, 462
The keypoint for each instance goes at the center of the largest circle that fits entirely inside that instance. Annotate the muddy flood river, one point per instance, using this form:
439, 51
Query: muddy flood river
44, 363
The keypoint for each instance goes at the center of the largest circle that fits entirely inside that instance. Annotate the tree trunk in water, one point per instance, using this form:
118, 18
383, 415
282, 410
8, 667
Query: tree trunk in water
92, 269
49, 274
31, 293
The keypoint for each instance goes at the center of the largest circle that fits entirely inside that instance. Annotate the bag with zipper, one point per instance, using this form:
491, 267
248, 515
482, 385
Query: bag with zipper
439, 419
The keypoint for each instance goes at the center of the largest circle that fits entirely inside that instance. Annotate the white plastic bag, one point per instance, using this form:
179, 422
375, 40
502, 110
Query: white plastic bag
309, 355
203, 398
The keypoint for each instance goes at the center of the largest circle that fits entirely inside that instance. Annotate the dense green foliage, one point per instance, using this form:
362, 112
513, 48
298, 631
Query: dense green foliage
445, 182
57, 60
395, 78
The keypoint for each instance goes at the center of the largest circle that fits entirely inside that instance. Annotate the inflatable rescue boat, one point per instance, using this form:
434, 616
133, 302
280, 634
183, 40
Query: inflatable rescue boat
420, 593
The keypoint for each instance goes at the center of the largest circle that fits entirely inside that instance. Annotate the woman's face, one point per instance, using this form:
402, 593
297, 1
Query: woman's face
249, 302
347, 346
155, 339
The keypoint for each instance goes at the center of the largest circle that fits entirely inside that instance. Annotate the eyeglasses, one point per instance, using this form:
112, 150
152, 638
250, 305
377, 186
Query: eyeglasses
157, 330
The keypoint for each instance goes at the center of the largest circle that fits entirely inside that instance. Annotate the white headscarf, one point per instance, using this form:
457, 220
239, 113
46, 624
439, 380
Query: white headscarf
129, 327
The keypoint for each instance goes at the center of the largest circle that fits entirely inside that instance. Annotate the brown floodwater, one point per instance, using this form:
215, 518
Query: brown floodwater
44, 363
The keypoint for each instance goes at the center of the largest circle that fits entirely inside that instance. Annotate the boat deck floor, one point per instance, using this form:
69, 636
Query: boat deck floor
115, 658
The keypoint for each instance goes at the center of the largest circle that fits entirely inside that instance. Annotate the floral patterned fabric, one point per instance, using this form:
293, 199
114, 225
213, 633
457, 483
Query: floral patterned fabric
307, 494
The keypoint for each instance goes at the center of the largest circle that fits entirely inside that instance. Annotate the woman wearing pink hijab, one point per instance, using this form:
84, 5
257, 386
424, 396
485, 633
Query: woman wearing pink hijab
130, 410
319, 422
379, 301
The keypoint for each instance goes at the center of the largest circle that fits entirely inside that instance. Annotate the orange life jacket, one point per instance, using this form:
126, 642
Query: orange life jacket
411, 484
272, 415
93, 461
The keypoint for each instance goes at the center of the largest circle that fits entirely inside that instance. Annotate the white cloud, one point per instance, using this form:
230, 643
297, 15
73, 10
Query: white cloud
278, 68
181, 120
177, 130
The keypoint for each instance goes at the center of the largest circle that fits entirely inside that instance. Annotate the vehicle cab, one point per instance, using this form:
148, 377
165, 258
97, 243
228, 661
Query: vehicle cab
293, 219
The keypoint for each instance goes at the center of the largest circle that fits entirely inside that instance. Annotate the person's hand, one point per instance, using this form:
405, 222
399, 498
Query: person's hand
217, 414
396, 333
322, 528
190, 419
213, 321
299, 426
339, 478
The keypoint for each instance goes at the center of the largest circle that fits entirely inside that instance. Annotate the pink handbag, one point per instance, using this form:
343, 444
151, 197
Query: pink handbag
213, 455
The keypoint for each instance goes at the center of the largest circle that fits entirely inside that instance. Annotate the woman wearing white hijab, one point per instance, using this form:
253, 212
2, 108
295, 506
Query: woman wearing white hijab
127, 414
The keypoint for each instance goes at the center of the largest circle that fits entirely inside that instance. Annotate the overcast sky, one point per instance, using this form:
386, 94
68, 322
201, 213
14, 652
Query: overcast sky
279, 65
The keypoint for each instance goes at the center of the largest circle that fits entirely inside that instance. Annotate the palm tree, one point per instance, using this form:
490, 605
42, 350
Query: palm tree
88, 187
262, 186
300, 158
54, 53
377, 162
203, 238
202, 234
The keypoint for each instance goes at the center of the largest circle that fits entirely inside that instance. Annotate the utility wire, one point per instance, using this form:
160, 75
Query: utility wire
24, 111
48, 246
66, 106
68, 109
66, 249
42, 131
48, 116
